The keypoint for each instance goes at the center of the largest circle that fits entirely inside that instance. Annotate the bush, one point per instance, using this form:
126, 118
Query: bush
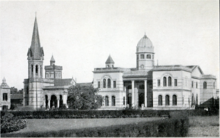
9, 123
176, 126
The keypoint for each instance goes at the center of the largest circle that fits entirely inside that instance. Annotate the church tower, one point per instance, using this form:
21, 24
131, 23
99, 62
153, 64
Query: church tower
145, 54
34, 83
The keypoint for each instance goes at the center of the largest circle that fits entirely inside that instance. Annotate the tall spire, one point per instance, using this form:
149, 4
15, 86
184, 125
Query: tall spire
35, 51
52, 61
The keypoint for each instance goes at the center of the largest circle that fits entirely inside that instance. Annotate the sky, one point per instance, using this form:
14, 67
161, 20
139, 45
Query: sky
82, 34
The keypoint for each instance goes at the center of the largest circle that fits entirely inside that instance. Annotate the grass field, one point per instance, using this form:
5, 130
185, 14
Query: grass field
207, 126
43, 125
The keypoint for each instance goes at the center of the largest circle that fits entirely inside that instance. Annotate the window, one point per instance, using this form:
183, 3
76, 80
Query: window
164, 81
169, 81
148, 56
36, 69
196, 84
158, 82
114, 84
142, 56
32, 68
109, 83
106, 101
104, 83
123, 100
175, 82
167, 100
113, 100
160, 101
204, 85
192, 84
98, 84
174, 100
214, 85
5, 97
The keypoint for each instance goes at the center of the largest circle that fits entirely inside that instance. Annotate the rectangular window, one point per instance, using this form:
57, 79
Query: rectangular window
175, 82
98, 84
158, 83
114, 84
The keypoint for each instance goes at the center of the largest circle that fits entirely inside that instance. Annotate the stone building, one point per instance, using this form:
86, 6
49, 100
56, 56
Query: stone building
5, 97
48, 92
156, 87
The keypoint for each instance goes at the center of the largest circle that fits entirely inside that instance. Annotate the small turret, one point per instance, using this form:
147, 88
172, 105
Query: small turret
109, 62
52, 61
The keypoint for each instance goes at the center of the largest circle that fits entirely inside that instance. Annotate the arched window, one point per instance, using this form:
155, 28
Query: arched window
160, 101
142, 56
32, 69
109, 83
164, 81
148, 56
113, 100
196, 84
169, 81
204, 85
104, 83
167, 100
36, 69
106, 101
5, 97
174, 100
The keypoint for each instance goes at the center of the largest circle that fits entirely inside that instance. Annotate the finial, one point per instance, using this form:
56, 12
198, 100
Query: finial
4, 80
36, 14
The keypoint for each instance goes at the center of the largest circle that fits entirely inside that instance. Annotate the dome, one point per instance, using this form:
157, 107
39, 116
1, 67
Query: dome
145, 42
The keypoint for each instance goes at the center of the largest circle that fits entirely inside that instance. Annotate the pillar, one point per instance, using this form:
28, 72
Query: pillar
125, 96
58, 103
145, 93
48, 102
34, 71
132, 87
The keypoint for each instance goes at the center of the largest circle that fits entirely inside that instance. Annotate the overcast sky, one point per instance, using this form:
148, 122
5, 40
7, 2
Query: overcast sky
82, 34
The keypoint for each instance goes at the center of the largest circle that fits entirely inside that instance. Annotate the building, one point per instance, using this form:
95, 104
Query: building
152, 87
5, 98
48, 92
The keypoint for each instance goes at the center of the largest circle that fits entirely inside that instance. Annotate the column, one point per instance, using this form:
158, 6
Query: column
125, 96
58, 103
145, 93
132, 87
48, 103
44, 102
33, 71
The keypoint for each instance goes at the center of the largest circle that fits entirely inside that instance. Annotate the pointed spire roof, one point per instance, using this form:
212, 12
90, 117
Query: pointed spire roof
35, 51
109, 60
4, 84
52, 59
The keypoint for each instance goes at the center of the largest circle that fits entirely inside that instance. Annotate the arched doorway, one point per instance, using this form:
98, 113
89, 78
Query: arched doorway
141, 99
53, 101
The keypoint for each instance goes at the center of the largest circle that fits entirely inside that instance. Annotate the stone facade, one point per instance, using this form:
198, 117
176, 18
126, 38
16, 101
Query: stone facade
156, 87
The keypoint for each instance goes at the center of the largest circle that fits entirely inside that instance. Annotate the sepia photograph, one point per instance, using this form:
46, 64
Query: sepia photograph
109, 68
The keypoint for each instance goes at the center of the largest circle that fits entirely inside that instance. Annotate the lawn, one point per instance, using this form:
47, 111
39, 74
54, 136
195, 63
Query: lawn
207, 126
44, 125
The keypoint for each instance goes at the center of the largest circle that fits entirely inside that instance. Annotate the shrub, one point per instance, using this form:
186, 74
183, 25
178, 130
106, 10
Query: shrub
9, 123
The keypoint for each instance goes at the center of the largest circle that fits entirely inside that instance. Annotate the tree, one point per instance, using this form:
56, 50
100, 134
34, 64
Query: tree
83, 97
13, 90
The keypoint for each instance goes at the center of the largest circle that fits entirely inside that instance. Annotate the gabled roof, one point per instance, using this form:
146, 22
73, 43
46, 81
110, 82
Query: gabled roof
62, 82
192, 67
109, 60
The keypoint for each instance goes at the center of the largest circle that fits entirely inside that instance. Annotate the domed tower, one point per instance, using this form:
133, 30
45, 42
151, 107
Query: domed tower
145, 54
109, 62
